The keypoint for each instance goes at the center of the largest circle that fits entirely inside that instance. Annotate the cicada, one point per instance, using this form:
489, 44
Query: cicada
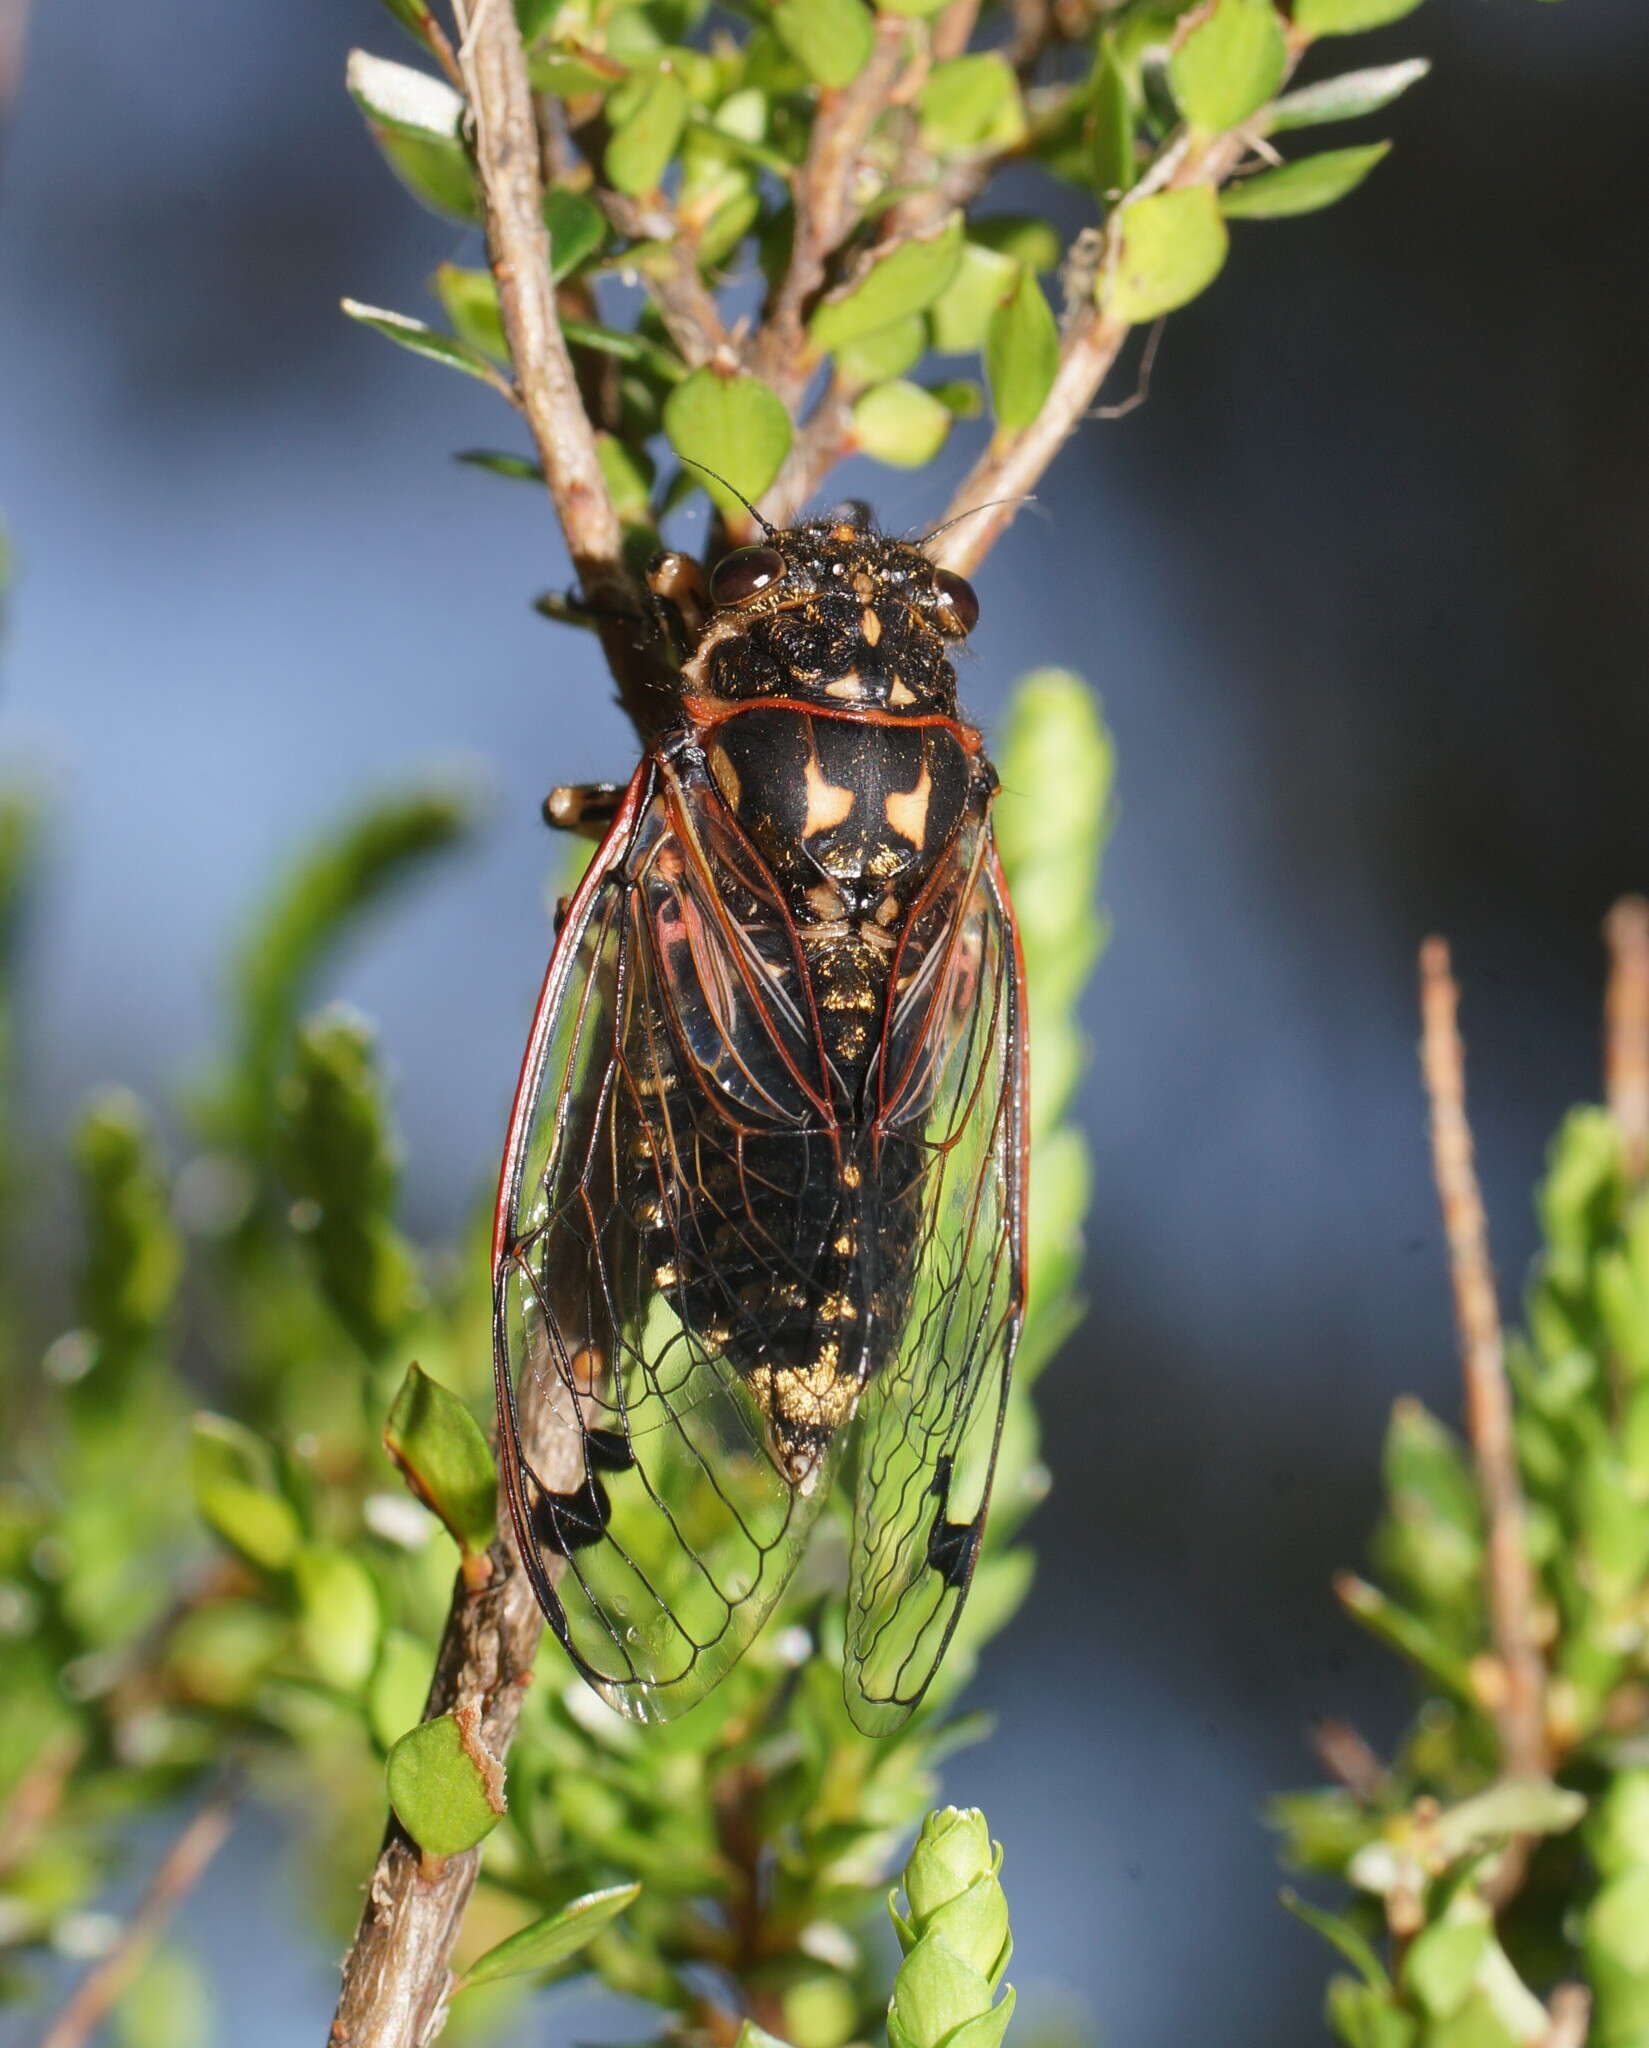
761, 1213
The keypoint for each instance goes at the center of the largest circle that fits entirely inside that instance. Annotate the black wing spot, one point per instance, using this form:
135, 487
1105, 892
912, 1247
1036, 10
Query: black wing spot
565, 1522
952, 1546
608, 1450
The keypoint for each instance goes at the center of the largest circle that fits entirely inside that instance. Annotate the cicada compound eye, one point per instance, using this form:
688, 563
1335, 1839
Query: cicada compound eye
745, 574
957, 603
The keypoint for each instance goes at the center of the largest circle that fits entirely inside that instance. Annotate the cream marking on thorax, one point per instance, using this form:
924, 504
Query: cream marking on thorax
907, 810
827, 805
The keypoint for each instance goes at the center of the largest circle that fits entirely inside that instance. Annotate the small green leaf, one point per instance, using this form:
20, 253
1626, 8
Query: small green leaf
134, 1256
752, 2036
830, 39
733, 425
1442, 1964
338, 1159
567, 77
889, 352
1229, 64
625, 348
425, 341
219, 1652
469, 298
1347, 17
1025, 237
1362, 2018
444, 1458
900, 423
1304, 187
1407, 1634
1340, 1934
308, 913
339, 1618
1173, 247
960, 396
1515, 1806
577, 230
971, 103
1346, 98
232, 1475
519, 468
643, 144
961, 315
413, 16
629, 475
1021, 355
414, 120
1115, 120
447, 1791
906, 280
551, 1940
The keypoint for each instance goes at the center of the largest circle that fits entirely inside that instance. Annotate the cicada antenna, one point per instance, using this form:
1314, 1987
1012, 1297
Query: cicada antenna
956, 518
704, 468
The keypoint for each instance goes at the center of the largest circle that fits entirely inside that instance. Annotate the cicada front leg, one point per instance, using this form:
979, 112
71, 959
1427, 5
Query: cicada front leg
587, 808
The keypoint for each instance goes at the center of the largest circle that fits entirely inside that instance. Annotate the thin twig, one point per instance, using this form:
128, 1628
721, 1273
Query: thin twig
1345, 1754
37, 1796
1518, 1710
507, 148
686, 304
1626, 1030
1570, 2012
182, 1869
817, 448
824, 208
1005, 475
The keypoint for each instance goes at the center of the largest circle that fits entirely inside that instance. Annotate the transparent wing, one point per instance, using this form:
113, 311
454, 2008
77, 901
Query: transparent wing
950, 1131
674, 1103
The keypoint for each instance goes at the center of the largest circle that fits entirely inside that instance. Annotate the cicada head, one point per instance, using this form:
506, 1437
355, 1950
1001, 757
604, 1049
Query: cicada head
836, 613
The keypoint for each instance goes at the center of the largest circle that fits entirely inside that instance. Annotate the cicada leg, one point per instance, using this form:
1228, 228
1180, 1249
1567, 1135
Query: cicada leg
587, 808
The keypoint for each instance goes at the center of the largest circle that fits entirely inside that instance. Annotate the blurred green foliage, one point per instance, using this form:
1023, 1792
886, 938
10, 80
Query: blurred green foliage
1470, 1892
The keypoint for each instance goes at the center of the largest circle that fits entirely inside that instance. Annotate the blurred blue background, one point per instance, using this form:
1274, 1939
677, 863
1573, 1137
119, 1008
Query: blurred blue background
1363, 589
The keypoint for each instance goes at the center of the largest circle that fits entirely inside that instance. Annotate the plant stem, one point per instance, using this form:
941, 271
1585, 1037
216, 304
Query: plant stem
1518, 1711
1092, 339
507, 159
184, 1866
823, 202
1626, 1030
396, 1977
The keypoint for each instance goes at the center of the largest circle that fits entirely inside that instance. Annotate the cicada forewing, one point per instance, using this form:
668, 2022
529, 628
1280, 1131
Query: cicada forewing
716, 1258
950, 1134
673, 1101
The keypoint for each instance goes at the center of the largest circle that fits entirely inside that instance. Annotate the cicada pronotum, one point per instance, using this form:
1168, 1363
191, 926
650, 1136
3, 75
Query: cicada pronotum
762, 1200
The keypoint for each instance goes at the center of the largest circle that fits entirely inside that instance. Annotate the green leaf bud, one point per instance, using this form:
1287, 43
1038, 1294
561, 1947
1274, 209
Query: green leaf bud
955, 1937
